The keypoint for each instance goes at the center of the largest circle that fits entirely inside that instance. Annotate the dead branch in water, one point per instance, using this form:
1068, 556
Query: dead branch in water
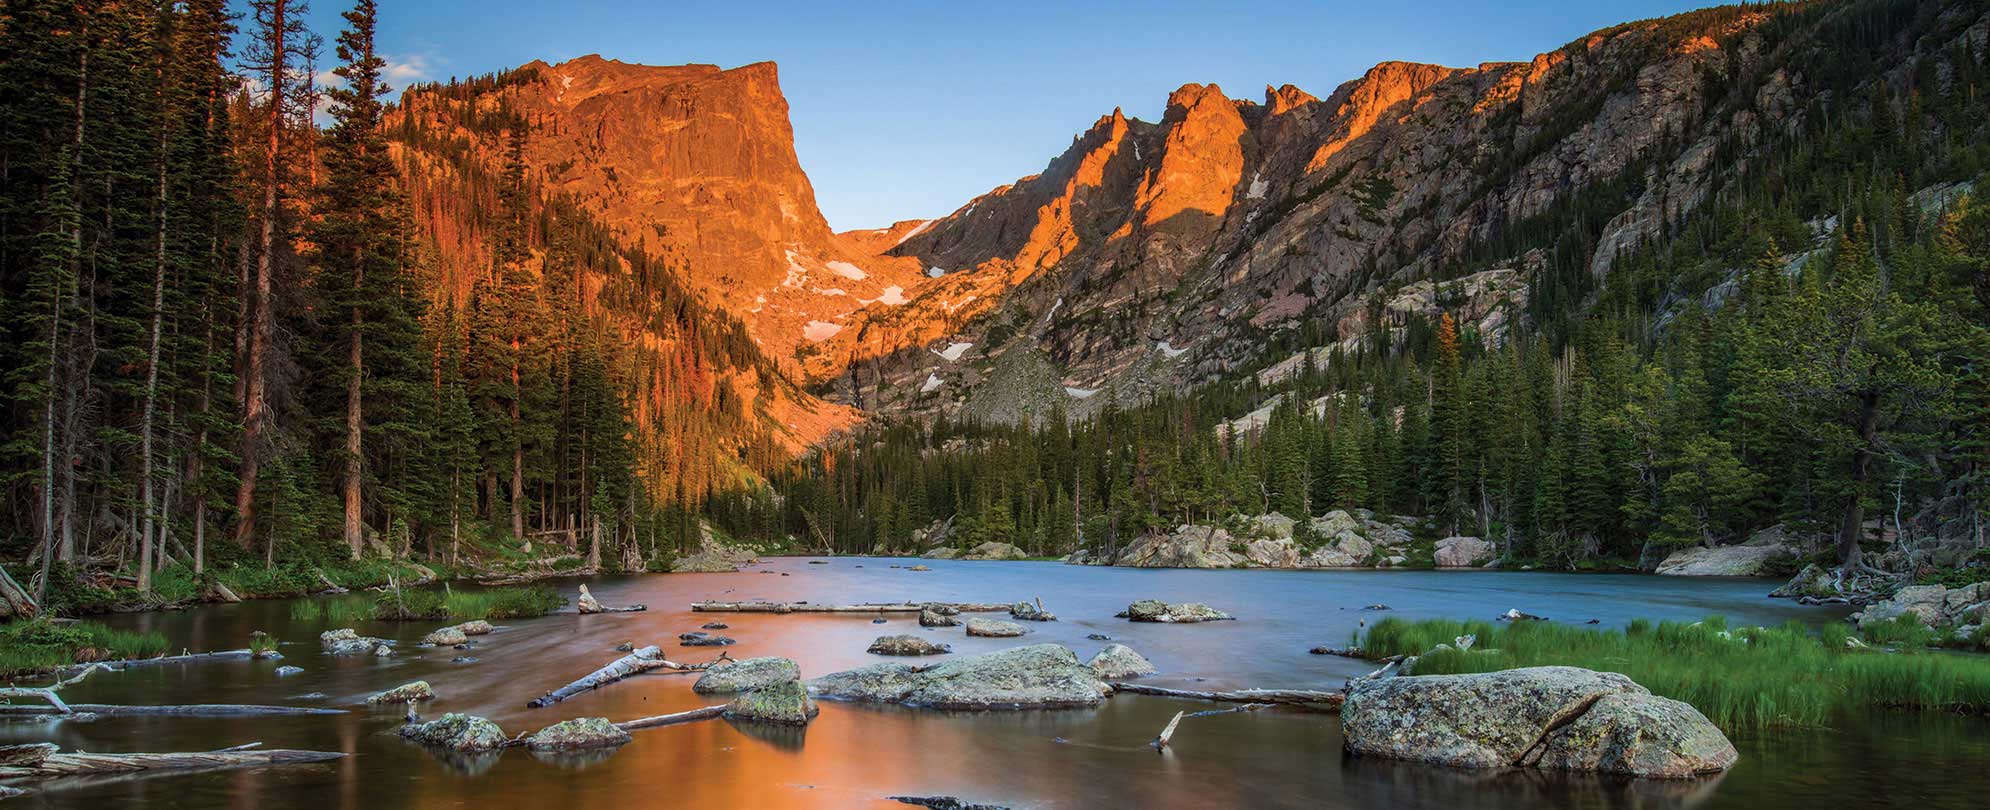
587, 604
41, 761
185, 658
635, 663
1169, 732
1300, 698
809, 607
705, 713
189, 710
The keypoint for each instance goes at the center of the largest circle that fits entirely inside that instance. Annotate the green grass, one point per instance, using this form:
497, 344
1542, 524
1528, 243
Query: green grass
28, 648
422, 604
1745, 679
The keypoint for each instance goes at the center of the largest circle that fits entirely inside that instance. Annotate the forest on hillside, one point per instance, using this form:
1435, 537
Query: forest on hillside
1808, 351
257, 322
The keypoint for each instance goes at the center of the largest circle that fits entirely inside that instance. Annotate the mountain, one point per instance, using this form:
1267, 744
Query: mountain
1152, 255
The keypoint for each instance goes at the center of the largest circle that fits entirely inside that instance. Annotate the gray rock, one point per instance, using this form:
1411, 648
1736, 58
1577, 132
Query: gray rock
708, 641
405, 693
1154, 610
942, 553
938, 616
784, 702
1463, 552
287, 671
344, 641
1539, 716
445, 637
994, 628
577, 734
475, 627
1118, 661
993, 550
457, 732
1813, 581
1098, 636
1720, 561
746, 675
1030, 612
906, 645
1031, 677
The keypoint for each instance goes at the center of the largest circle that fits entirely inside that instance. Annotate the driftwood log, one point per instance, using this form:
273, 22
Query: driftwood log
1301, 698
42, 761
635, 663
705, 713
186, 658
810, 607
587, 605
187, 710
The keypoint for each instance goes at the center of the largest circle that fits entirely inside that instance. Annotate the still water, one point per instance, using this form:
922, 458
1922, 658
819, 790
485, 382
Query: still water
856, 755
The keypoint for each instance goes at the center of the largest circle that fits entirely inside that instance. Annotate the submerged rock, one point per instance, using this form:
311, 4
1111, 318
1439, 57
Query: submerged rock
405, 693
577, 734
1155, 610
457, 732
1539, 717
745, 675
708, 641
994, 628
919, 568
786, 702
287, 671
1118, 661
345, 641
1034, 677
906, 645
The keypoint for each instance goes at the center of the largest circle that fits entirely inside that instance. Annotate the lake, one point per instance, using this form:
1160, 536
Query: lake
856, 755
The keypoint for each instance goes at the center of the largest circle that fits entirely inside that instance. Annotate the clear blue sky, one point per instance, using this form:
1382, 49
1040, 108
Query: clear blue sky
908, 109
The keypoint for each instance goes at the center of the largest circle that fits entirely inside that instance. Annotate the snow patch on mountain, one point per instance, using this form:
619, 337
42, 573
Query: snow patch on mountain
953, 352
932, 384
818, 331
846, 270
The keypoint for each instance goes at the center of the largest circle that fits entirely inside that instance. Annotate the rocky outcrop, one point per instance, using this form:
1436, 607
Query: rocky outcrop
906, 645
1119, 661
994, 628
1155, 610
346, 641
992, 550
1040, 676
1964, 608
745, 675
578, 734
405, 693
1545, 717
786, 702
942, 553
1339, 539
713, 556
1463, 552
1722, 561
457, 732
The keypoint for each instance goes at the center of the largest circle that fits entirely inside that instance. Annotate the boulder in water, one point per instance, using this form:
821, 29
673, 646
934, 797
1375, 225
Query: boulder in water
786, 702
939, 616
457, 732
745, 675
1155, 610
1037, 676
1545, 717
1119, 661
344, 641
445, 637
405, 693
578, 734
994, 628
906, 645
1031, 612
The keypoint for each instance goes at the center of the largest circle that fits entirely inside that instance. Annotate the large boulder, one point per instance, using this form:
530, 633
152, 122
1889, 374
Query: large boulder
1931, 605
1118, 661
993, 550
994, 628
1463, 552
906, 645
745, 675
785, 702
578, 734
1271, 553
934, 614
1033, 677
1155, 610
457, 732
1539, 716
1274, 526
1721, 561
346, 641
1187, 547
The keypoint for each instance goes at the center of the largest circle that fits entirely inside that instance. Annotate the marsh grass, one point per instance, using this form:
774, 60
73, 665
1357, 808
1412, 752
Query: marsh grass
1744, 679
29, 648
412, 604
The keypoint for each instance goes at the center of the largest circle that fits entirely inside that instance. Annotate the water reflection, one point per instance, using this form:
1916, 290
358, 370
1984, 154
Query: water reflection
856, 755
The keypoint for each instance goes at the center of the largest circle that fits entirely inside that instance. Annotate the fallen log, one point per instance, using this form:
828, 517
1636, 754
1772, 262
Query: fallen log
1169, 732
1303, 698
45, 763
15, 602
186, 710
184, 658
587, 605
809, 607
47, 693
640, 661
705, 713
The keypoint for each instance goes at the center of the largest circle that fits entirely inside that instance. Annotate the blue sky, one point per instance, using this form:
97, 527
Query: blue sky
908, 109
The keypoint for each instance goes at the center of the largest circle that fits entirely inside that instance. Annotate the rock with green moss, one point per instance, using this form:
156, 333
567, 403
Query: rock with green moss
787, 702
578, 734
746, 675
457, 732
405, 693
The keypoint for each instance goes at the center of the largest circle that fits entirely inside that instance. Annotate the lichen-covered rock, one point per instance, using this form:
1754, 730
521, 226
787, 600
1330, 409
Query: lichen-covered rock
577, 734
405, 693
446, 637
936, 615
1721, 561
1031, 612
783, 702
746, 674
1032, 677
1463, 552
475, 627
1118, 661
994, 628
906, 645
1931, 605
457, 732
1155, 610
1536, 716
345, 641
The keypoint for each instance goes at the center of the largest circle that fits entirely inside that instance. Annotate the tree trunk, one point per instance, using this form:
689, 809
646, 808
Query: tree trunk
253, 407
353, 426
152, 377
517, 453
1852, 527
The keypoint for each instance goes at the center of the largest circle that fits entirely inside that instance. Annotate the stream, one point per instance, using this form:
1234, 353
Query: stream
857, 755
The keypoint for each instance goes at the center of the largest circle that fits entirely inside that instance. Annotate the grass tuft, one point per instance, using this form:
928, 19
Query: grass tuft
412, 604
29, 648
